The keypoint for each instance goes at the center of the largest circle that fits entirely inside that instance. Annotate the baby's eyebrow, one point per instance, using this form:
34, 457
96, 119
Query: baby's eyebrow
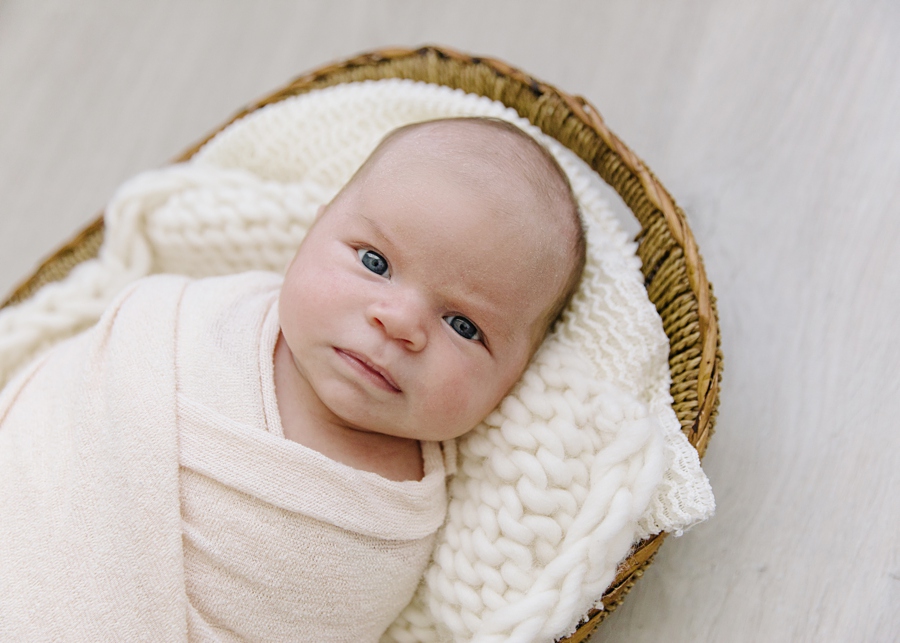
377, 228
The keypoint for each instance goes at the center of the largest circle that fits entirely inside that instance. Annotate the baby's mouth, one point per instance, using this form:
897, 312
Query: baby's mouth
373, 372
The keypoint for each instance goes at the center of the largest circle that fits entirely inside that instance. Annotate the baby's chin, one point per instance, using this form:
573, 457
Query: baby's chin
426, 434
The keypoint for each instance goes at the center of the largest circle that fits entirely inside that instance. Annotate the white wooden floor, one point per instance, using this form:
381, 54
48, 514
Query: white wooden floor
775, 123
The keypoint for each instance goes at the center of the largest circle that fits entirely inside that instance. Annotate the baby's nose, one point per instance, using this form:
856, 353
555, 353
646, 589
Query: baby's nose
403, 318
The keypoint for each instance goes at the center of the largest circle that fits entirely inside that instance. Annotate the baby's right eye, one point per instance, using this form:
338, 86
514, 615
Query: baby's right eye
374, 262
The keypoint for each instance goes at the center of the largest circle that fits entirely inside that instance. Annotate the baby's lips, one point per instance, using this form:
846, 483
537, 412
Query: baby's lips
375, 368
385, 374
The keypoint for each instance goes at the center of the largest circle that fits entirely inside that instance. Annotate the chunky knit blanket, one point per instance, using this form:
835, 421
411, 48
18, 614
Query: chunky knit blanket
582, 458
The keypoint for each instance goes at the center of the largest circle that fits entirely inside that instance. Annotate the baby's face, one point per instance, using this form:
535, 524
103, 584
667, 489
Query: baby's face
413, 306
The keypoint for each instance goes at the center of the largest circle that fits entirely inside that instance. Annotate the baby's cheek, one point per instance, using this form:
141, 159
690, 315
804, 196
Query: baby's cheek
465, 398
290, 298
312, 289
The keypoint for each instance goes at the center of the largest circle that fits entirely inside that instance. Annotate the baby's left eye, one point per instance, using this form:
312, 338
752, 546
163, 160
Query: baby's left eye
463, 327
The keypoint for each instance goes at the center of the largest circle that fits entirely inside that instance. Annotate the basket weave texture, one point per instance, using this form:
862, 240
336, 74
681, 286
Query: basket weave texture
671, 264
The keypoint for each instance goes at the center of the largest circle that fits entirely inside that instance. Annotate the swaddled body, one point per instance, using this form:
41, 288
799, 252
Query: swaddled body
313, 544
152, 491
152, 488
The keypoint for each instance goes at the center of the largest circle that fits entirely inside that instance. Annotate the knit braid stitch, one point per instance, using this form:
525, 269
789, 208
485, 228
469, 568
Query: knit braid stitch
544, 506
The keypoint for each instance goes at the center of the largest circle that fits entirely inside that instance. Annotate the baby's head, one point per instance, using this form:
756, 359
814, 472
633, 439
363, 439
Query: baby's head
423, 289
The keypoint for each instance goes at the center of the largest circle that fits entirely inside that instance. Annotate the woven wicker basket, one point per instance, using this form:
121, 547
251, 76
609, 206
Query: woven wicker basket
673, 270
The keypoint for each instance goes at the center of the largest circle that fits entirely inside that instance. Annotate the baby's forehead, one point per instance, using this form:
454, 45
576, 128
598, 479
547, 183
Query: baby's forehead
498, 160
460, 139
492, 161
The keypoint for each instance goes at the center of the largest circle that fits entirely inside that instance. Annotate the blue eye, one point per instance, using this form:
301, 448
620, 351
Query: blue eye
463, 327
374, 262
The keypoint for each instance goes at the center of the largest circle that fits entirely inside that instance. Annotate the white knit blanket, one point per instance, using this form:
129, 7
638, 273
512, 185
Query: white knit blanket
581, 459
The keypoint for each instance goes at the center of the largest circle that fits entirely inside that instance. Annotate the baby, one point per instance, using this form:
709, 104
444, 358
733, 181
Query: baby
293, 487
421, 292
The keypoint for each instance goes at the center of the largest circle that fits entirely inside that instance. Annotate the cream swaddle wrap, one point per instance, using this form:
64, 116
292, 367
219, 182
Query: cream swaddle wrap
79, 497
164, 503
583, 457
